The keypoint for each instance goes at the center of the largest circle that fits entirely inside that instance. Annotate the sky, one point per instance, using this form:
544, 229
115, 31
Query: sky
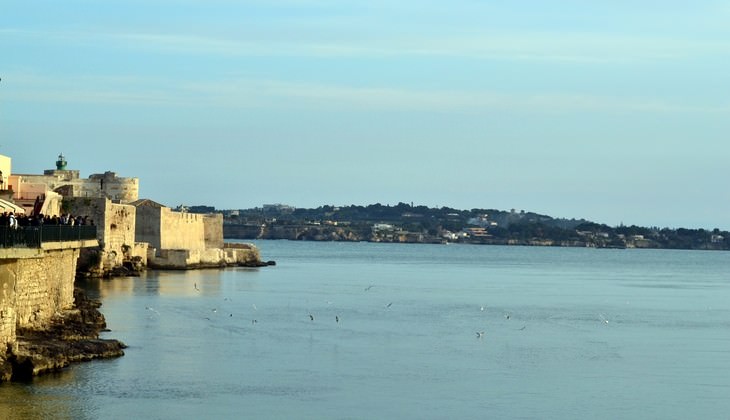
613, 111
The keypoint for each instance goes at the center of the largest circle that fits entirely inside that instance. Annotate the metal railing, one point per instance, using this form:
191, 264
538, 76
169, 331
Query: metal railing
35, 236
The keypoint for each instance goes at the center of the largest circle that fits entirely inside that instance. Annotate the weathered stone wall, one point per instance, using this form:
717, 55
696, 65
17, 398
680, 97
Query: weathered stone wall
115, 227
179, 239
34, 288
213, 227
140, 250
147, 227
109, 185
181, 259
8, 270
44, 286
181, 230
106, 185
119, 228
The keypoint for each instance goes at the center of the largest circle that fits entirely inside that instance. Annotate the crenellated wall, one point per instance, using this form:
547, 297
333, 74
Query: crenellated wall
164, 228
180, 230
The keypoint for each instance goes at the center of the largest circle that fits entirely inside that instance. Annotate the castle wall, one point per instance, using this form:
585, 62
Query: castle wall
181, 230
213, 230
182, 240
147, 227
115, 227
44, 286
181, 259
68, 183
8, 270
113, 187
34, 289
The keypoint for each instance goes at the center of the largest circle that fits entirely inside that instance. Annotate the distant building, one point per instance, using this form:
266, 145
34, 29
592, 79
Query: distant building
383, 227
476, 232
481, 221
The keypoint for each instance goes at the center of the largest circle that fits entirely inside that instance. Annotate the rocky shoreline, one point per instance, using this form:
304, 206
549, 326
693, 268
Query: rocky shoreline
73, 336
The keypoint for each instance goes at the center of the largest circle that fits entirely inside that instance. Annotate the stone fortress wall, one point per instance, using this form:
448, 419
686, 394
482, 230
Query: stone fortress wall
115, 230
69, 184
179, 240
35, 286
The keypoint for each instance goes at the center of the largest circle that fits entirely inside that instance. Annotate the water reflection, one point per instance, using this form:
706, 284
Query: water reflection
33, 401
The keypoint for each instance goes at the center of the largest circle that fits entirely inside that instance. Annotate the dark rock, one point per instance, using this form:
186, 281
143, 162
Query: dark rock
71, 337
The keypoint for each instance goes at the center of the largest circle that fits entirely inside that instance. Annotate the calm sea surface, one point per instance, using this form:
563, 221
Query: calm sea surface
567, 333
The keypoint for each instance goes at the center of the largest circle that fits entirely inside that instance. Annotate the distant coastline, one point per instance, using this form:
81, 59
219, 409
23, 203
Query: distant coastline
405, 223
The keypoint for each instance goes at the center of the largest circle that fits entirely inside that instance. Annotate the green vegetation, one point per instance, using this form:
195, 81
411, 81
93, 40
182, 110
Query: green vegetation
407, 223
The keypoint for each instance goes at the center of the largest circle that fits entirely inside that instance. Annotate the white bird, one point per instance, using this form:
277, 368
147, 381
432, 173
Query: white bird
480, 334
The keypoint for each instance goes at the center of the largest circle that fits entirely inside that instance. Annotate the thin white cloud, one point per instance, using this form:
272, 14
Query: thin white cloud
560, 47
273, 94
575, 47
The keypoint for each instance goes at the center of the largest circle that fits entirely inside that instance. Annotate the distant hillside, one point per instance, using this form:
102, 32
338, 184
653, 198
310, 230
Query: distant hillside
420, 224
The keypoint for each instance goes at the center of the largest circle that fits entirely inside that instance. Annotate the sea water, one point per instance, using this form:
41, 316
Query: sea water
376, 331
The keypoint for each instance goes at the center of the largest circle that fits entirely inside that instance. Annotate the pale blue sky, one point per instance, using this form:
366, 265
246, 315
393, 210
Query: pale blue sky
615, 111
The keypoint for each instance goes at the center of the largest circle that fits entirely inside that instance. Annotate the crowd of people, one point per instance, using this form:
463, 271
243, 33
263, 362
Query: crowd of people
21, 220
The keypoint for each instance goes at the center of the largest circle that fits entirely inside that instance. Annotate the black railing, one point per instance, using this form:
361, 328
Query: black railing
34, 236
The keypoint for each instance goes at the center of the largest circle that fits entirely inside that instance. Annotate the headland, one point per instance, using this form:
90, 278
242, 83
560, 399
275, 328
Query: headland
57, 227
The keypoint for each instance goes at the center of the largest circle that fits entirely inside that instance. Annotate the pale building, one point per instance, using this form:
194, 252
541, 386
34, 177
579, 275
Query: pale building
35, 192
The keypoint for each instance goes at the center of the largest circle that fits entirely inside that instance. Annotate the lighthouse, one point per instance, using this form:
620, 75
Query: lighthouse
61, 163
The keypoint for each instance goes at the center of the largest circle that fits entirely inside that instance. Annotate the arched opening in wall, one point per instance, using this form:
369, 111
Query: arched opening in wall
65, 190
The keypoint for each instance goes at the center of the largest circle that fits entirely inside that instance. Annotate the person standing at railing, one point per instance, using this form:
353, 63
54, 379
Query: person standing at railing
12, 221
